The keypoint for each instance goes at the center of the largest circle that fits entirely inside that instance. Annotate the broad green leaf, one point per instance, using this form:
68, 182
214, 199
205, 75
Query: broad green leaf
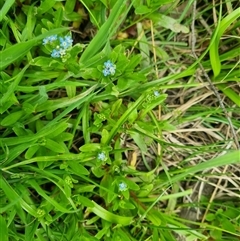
54, 146
77, 168
104, 135
141, 9
90, 147
12, 118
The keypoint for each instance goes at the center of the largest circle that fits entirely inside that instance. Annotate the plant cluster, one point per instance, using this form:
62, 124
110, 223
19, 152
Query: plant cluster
89, 145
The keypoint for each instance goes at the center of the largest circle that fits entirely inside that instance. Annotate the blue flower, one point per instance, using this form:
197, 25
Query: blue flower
156, 93
55, 53
46, 41
49, 39
53, 38
66, 42
105, 72
101, 156
108, 64
109, 68
122, 186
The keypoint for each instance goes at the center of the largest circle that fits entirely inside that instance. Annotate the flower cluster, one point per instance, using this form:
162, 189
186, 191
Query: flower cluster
59, 45
109, 68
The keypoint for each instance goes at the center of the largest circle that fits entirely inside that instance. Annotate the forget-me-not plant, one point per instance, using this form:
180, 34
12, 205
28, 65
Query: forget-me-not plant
109, 68
59, 45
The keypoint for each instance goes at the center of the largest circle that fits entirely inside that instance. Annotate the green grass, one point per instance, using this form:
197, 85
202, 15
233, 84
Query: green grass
142, 150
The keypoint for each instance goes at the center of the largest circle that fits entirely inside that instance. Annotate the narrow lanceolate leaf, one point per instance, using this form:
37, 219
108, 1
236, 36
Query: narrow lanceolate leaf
50, 200
12, 118
13, 85
110, 217
3, 229
103, 34
16, 51
12, 195
124, 117
213, 52
232, 157
7, 5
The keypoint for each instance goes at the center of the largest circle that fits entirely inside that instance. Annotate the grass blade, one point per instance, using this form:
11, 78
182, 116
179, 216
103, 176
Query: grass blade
7, 5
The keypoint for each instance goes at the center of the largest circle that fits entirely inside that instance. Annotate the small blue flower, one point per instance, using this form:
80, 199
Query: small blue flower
108, 64
122, 186
101, 156
55, 53
109, 68
46, 41
69, 40
66, 42
156, 93
49, 39
105, 72
53, 38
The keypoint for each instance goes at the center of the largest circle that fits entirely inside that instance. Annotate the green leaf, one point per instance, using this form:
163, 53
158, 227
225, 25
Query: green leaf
172, 24
50, 200
54, 146
31, 228
4, 229
115, 107
90, 147
14, 84
12, 118
110, 217
228, 226
77, 168
7, 5
126, 204
230, 158
214, 45
124, 117
31, 151
69, 6
45, 6
142, 10
13, 196
104, 33
85, 201
16, 51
